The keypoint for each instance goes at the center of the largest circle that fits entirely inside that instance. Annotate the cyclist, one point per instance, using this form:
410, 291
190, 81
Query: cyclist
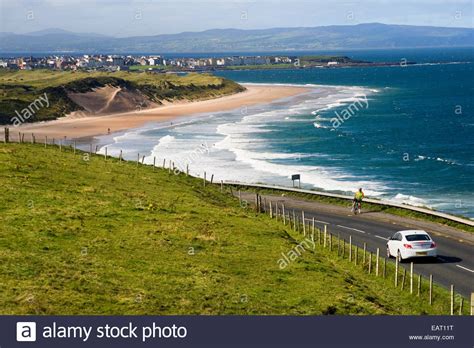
358, 197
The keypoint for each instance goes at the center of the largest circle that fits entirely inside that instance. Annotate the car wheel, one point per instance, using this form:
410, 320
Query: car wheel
399, 256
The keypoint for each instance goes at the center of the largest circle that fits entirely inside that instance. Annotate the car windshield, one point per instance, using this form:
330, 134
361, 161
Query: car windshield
415, 237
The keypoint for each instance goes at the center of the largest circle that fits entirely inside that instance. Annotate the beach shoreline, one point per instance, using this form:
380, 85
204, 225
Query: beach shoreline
73, 127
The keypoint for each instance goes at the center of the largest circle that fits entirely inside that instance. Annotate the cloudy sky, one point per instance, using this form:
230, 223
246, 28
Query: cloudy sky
148, 17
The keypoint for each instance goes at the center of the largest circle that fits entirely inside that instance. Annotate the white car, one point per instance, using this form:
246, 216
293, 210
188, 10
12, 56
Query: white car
411, 243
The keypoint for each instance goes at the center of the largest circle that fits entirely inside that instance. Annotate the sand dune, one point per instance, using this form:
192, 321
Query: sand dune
109, 100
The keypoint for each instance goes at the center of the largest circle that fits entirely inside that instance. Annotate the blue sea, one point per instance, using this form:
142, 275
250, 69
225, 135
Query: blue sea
407, 135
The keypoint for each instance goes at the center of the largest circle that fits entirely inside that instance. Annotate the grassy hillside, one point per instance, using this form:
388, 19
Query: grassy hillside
82, 235
19, 88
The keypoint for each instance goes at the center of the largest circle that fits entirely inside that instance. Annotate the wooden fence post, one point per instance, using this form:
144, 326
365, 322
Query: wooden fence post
187, 169
363, 255
370, 262
212, 178
403, 278
222, 186
330, 241
356, 256
452, 300
396, 272
154, 162
45, 141
472, 303
411, 278
204, 179
294, 221
164, 163
240, 198
270, 209
120, 156
74, 147
419, 285
338, 244
138, 159
304, 223
106, 153
461, 303
431, 290
7, 135
325, 235
283, 213
384, 271
350, 248
377, 262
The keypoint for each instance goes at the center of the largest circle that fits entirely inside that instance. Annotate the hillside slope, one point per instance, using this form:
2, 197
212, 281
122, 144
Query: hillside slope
72, 91
81, 235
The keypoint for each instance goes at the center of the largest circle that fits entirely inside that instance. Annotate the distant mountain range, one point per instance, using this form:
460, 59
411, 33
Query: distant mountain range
361, 36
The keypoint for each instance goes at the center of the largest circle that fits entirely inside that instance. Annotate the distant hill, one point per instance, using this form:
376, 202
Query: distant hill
373, 35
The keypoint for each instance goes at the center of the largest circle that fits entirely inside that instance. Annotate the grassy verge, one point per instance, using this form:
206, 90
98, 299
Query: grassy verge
81, 235
18, 89
367, 206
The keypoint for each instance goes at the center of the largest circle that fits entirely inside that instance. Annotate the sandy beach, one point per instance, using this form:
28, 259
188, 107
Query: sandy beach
74, 126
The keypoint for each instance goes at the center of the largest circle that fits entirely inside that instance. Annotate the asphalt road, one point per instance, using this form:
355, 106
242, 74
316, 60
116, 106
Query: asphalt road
455, 261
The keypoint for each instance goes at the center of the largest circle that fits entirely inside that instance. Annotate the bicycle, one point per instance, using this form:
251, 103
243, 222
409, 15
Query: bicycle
356, 206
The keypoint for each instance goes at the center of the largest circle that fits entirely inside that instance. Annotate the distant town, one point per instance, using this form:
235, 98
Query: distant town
161, 64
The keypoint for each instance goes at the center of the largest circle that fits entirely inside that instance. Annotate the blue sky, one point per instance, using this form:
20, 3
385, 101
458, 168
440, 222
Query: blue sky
149, 17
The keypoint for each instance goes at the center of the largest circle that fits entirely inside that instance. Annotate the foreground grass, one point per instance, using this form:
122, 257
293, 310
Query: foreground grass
82, 235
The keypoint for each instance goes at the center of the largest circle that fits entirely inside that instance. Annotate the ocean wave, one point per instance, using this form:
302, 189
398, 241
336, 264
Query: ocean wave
167, 139
317, 125
410, 200
438, 159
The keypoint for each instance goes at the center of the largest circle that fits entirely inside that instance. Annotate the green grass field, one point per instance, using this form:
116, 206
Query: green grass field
81, 235
19, 88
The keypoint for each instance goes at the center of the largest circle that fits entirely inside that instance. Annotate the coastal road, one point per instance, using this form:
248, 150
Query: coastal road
455, 261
